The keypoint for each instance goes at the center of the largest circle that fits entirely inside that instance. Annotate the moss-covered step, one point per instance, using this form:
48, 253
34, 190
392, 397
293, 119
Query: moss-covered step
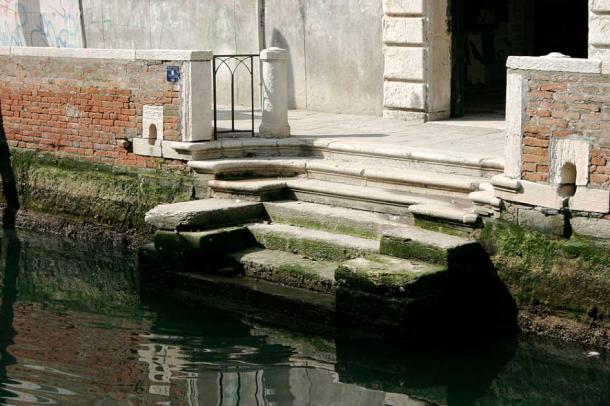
288, 269
341, 220
311, 243
210, 243
204, 214
429, 246
392, 277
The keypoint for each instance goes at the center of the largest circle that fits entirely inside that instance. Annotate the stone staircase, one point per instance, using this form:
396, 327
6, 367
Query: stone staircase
383, 243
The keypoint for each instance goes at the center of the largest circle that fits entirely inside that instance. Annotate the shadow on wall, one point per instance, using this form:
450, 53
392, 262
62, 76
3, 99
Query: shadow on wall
278, 40
9, 186
30, 18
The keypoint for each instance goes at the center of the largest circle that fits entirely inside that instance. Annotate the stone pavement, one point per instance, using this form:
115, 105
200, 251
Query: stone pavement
478, 135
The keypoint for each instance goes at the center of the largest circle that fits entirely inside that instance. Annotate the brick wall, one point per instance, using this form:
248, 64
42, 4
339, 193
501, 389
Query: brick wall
566, 105
82, 108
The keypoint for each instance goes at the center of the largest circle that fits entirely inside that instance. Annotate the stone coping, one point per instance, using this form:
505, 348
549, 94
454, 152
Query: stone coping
114, 54
551, 64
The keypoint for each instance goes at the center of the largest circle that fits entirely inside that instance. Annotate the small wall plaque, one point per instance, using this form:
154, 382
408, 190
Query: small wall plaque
173, 74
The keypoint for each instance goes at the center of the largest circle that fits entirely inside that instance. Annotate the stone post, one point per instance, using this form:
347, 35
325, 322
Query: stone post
275, 93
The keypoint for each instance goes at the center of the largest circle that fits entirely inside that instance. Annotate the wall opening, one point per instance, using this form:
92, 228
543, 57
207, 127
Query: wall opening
152, 134
567, 187
485, 33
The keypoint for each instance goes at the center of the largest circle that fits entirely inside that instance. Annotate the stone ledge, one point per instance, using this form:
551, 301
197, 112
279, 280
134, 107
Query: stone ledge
548, 64
114, 54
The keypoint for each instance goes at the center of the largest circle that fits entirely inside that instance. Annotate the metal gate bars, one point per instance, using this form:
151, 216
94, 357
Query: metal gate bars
232, 63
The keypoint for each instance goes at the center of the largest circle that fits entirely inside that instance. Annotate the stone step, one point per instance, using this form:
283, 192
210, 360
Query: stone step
409, 180
450, 212
372, 154
394, 277
204, 214
404, 157
396, 238
288, 269
321, 245
207, 244
358, 223
257, 190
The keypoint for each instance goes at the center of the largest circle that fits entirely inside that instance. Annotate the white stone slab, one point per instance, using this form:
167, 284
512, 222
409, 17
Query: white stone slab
403, 30
404, 95
143, 147
405, 63
592, 200
173, 55
533, 194
197, 101
85, 53
5, 51
570, 151
574, 65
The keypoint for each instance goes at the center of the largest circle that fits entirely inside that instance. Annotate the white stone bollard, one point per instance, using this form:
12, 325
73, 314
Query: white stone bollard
275, 93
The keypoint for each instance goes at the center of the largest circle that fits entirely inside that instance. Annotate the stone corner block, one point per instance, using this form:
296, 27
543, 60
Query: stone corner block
403, 95
403, 30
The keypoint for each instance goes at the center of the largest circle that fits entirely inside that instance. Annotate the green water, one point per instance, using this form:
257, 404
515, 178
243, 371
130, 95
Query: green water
75, 328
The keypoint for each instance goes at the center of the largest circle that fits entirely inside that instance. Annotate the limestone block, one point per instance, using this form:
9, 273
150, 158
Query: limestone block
536, 220
142, 146
600, 6
403, 95
404, 63
533, 194
5, 51
152, 124
592, 227
404, 6
197, 101
403, 30
570, 151
599, 29
590, 200
549, 64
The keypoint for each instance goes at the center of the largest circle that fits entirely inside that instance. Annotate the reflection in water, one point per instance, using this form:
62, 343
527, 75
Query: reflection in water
75, 329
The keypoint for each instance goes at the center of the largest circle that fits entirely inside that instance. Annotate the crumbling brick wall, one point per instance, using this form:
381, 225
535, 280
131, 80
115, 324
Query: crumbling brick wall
83, 108
567, 105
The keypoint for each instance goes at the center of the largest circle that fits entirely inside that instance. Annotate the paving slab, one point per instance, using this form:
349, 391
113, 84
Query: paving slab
204, 214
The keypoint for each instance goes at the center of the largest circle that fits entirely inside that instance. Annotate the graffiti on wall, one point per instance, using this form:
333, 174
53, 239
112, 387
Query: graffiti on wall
52, 23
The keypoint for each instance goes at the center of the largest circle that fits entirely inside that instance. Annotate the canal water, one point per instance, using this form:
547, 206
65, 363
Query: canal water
76, 328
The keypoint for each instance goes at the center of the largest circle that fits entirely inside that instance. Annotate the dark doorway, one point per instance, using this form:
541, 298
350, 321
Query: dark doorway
486, 32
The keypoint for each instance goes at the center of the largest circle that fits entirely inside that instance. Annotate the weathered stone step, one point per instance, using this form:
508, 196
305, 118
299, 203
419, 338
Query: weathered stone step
429, 246
372, 154
257, 190
397, 238
204, 214
341, 220
407, 180
394, 277
208, 244
288, 269
410, 180
317, 244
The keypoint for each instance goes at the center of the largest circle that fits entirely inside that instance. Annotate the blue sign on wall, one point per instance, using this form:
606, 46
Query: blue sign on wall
173, 74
